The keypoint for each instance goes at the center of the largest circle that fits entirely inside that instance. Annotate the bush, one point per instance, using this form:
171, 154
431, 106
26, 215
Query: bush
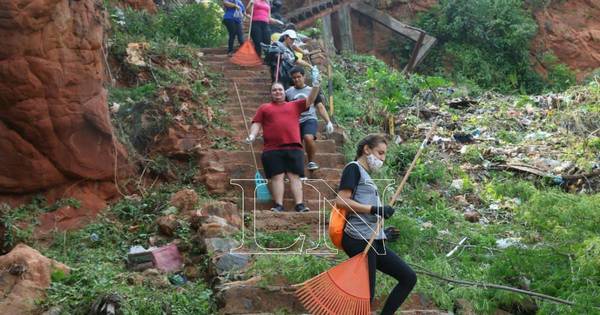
192, 24
486, 41
196, 24
559, 77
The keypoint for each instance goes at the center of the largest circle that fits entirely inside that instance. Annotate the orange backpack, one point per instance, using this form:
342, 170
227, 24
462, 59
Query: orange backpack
337, 222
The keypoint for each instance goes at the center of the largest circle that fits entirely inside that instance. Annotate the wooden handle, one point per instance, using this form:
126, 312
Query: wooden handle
404, 179
412, 164
245, 123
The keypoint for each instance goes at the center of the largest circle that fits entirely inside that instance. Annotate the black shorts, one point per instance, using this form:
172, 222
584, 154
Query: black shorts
309, 127
283, 161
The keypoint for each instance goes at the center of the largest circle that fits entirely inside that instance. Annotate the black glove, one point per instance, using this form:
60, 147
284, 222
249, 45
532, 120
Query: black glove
385, 211
392, 234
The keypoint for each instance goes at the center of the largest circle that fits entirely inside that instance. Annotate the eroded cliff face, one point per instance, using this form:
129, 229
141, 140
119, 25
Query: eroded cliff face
571, 30
54, 122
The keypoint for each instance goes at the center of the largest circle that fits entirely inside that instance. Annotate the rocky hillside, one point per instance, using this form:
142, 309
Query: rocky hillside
567, 29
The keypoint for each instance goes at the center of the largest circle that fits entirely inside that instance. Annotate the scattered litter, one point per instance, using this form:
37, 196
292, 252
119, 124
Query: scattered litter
463, 137
457, 184
139, 258
178, 279
538, 135
135, 53
508, 242
94, 237
167, 258
461, 103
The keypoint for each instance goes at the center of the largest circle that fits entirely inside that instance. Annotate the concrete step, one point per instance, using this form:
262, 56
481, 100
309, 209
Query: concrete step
288, 221
310, 190
247, 171
214, 50
288, 205
246, 298
326, 160
223, 157
323, 146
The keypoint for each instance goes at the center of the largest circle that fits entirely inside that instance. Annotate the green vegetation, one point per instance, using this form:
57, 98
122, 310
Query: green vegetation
169, 31
532, 235
487, 42
98, 262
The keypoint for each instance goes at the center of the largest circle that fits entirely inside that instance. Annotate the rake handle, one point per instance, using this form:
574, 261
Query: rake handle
245, 123
404, 180
412, 164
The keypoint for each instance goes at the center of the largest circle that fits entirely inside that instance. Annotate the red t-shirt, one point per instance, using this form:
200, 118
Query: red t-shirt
281, 129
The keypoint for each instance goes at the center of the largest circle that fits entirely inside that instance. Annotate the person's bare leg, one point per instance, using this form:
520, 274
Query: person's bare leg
296, 187
310, 146
277, 188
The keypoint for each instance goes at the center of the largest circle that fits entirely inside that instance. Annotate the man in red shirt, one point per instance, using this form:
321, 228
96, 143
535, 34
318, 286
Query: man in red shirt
283, 153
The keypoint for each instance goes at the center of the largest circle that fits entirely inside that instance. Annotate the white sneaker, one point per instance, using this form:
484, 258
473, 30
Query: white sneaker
312, 166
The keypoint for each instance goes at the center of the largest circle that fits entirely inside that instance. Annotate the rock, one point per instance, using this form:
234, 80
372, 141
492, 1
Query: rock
154, 278
231, 262
92, 196
184, 200
55, 119
215, 182
167, 225
571, 35
461, 200
226, 210
213, 226
55, 310
20, 290
220, 245
472, 216
242, 298
464, 307
191, 272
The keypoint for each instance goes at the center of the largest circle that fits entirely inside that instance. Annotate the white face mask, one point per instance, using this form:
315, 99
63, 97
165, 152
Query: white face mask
374, 163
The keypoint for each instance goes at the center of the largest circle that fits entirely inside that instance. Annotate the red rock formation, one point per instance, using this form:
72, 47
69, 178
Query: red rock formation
571, 30
54, 123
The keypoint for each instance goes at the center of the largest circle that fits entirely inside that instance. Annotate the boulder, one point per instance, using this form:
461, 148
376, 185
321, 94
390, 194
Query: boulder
184, 200
226, 210
167, 225
472, 216
53, 115
213, 226
25, 275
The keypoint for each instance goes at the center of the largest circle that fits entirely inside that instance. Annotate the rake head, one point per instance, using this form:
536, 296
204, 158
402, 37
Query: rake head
343, 289
246, 56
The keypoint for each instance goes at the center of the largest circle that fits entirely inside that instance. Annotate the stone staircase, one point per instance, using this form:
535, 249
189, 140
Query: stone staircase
236, 291
219, 167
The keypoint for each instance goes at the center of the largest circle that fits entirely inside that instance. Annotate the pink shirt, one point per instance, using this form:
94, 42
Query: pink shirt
261, 11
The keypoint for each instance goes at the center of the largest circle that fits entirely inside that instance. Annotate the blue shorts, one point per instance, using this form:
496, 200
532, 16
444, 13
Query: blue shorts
309, 127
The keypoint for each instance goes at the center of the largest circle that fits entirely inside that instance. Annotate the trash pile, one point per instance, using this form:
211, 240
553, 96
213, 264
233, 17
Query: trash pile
554, 137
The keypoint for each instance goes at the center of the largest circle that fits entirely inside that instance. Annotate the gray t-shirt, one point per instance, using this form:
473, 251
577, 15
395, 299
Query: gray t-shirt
362, 225
293, 94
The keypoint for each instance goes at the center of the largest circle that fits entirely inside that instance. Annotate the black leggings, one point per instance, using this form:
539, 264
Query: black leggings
389, 264
235, 30
260, 33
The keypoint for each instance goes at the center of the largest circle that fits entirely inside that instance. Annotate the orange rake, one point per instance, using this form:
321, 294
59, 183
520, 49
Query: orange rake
246, 56
344, 289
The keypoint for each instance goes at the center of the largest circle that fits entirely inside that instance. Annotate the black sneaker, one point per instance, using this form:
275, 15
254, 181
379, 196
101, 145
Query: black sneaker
301, 208
277, 208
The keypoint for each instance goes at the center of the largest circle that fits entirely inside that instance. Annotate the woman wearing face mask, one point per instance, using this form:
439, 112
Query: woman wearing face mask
359, 196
